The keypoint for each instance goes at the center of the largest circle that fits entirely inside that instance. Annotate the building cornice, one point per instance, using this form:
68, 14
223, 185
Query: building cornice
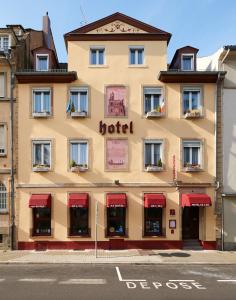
46, 77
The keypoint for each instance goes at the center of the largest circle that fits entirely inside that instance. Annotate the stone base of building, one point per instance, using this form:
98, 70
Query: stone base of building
5, 242
113, 244
228, 246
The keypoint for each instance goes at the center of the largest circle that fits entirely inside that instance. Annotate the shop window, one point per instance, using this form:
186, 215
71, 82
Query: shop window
153, 102
152, 221
78, 102
97, 56
136, 55
3, 147
79, 155
3, 197
42, 62
41, 102
187, 62
41, 155
79, 221
116, 221
153, 155
42, 221
192, 155
191, 102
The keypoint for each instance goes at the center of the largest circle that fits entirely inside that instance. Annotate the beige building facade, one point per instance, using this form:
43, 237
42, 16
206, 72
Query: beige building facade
124, 152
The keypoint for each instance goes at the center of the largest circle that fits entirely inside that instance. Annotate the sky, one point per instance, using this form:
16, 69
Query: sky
204, 24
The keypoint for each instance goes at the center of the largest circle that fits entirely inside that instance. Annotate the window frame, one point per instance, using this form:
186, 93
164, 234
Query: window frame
37, 61
4, 75
79, 90
145, 232
71, 141
2, 36
41, 100
4, 194
192, 89
162, 99
200, 155
152, 142
97, 49
42, 142
5, 140
123, 222
192, 61
35, 221
82, 234
136, 49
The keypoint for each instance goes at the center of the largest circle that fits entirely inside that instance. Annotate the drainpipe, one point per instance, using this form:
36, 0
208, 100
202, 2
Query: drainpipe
7, 56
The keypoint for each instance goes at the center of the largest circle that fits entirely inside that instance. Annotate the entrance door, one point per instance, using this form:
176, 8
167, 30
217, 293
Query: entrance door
190, 222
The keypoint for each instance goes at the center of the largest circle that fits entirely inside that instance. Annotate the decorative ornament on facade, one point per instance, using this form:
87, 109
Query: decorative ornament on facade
118, 27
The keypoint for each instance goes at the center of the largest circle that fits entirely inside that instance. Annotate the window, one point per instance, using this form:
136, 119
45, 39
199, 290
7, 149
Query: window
42, 221
153, 100
116, 221
192, 154
42, 154
79, 153
42, 102
3, 197
4, 42
153, 153
97, 56
78, 100
1, 238
2, 85
152, 221
79, 221
187, 62
191, 100
136, 55
2, 139
42, 62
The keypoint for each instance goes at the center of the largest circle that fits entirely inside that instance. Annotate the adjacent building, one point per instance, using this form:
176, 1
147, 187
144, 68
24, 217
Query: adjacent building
118, 148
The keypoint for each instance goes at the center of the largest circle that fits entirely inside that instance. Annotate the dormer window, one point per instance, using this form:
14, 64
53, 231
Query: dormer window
42, 62
187, 62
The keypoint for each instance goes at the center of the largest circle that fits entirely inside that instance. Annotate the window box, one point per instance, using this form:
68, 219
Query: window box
192, 168
41, 168
79, 168
43, 114
153, 169
154, 114
192, 114
79, 114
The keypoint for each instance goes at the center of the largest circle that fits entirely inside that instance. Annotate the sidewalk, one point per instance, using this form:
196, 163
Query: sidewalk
119, 257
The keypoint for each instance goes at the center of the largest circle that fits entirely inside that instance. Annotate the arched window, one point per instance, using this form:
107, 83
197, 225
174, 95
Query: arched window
3, 197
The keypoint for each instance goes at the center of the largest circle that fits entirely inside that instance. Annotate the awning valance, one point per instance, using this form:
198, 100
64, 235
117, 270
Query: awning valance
40, 200
154, 200
116, 200
78, 200
195, 200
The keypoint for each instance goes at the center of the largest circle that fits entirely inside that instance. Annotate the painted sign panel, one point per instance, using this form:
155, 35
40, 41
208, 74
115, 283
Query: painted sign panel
116, 154
116, 101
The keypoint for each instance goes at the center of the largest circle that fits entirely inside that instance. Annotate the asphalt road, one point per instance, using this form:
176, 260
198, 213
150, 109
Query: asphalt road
114, 282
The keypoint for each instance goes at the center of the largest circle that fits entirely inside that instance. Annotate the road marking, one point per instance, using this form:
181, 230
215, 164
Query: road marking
226, 280
2, 279
37, 280
181, 280
83, 281
121, 279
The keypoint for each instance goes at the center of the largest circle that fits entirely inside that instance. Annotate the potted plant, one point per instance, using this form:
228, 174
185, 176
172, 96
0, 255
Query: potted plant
73, 166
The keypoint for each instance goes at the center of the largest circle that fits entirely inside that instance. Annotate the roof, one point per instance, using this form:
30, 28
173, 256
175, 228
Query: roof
230, 47
190, 76
150, 31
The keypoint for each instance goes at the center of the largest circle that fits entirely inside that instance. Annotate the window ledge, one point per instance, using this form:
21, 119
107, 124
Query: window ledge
78, 169
154, 169
138, 66
41, 114
3, 155
154, 236
4, 212
192, 169
79, 236
154, 114
99, 66
79, 114
41, 169
193, 115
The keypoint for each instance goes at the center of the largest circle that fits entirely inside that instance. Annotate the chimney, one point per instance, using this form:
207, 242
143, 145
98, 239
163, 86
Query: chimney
47, 30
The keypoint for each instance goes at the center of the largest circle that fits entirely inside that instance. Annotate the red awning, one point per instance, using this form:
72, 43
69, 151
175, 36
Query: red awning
40, 200
195, 200
78, 200
116, 200
154, 200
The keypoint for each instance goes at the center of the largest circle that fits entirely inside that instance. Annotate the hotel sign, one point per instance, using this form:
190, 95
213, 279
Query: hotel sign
115, 128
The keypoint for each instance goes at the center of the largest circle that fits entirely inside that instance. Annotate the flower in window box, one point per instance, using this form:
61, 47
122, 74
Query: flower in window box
191, 167
154, 168
195, 113
40, 167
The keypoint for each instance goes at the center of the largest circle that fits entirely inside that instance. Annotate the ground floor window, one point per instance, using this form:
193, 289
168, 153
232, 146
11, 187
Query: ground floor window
79, 221
42, 221
116, 221
1, 238
152, 221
